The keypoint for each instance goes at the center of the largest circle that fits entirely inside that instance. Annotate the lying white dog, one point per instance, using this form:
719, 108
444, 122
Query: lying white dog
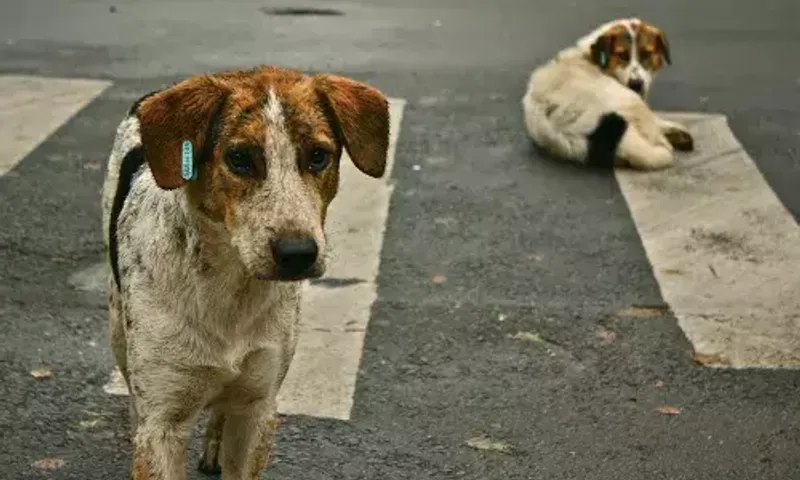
589, 103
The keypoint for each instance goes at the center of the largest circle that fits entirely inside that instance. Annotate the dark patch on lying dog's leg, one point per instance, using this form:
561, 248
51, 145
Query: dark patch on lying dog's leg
133, 160
604, 140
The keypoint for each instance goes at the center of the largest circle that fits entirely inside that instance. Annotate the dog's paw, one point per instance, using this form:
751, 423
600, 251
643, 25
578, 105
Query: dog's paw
680, 139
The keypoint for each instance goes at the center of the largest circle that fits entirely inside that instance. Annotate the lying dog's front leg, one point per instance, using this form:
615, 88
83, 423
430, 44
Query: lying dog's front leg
677, 135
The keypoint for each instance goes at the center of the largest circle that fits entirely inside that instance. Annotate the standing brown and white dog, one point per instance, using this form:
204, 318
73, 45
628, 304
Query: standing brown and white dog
589, 103
214, 210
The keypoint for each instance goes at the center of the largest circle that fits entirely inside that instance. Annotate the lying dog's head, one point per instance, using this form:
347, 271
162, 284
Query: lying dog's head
267, 144
630, 51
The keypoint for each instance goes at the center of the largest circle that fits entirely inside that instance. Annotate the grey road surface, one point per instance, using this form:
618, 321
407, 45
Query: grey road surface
525, 244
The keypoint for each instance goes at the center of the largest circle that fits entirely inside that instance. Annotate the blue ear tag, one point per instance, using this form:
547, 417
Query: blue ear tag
188, 170
603, 59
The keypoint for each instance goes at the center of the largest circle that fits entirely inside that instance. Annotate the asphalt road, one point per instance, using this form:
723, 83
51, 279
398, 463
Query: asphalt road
525, 244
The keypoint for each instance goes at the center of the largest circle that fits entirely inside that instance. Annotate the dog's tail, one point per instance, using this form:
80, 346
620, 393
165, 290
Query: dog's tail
604, 140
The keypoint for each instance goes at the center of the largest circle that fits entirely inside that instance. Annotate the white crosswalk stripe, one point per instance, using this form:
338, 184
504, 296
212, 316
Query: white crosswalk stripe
724, 249
31, 108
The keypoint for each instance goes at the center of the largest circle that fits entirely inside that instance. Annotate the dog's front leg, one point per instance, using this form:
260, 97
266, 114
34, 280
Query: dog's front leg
167, 403
159, 451
677, 135
247, 440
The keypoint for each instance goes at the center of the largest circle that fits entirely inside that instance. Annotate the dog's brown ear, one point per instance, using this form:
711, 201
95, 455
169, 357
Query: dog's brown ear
362, 115
600, 51
183, 112
663, 46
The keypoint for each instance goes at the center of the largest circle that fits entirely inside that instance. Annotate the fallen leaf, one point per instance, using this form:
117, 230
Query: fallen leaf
92, 165
43, 372
668, 410
49, 463
438, 279
607, 335
89, 423
659, 383
485, 443
643, 312
502, 317
528, 337
673, 271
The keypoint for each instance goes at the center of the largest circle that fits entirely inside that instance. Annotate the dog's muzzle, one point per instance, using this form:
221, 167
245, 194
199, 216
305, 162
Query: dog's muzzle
295, 257
636, 85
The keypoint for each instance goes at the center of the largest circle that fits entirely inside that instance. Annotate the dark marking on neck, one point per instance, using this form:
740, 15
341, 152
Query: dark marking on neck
133, 160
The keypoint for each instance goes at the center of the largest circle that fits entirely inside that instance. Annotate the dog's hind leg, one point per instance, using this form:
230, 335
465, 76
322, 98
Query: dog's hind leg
212, 441
635, 151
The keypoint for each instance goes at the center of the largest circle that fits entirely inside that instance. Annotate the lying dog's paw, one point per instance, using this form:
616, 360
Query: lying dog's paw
680, 140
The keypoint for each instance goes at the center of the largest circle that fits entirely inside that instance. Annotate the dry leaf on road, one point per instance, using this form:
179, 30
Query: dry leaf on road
485, 443
43, 372
49, 463
666, 410
439, 279
528, 337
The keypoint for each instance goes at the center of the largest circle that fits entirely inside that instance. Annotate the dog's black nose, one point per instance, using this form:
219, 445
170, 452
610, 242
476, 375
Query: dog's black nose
636, 85
294, 255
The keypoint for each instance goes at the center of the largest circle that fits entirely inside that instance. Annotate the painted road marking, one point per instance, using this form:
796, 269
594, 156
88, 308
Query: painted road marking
31, 108
724, 249
322, 379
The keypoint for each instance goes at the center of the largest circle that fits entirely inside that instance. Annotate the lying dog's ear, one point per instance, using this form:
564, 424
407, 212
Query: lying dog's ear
663, 46
600, 51
362, 116
167, 119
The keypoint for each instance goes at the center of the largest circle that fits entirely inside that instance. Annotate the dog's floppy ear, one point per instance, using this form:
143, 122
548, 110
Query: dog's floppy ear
663, 46
361, 113
600, 51
167, 119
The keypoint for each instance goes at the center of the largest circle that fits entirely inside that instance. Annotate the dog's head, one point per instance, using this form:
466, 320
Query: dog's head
629, 50
267, 145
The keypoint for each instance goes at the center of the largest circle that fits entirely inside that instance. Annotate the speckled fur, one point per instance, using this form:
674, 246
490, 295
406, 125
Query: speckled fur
191, 326
566, 97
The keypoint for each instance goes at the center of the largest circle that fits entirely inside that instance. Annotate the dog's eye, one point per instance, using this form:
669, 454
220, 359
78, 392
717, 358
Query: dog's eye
625, 56
240, 161
319, 161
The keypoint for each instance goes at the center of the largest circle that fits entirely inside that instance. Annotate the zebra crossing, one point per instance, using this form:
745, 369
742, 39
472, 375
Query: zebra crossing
720, 243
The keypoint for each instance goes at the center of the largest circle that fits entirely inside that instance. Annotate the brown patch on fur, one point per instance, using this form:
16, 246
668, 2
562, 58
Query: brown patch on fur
652, 47
362, 113
142, 464
182, 112
263, 450
612, 50
224, 110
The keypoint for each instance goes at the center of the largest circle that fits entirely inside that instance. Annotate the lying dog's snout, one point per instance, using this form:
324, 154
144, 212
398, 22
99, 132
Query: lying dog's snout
294, 256
636, 85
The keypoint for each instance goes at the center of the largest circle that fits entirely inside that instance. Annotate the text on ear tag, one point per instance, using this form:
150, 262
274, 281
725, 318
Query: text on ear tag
188, 170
